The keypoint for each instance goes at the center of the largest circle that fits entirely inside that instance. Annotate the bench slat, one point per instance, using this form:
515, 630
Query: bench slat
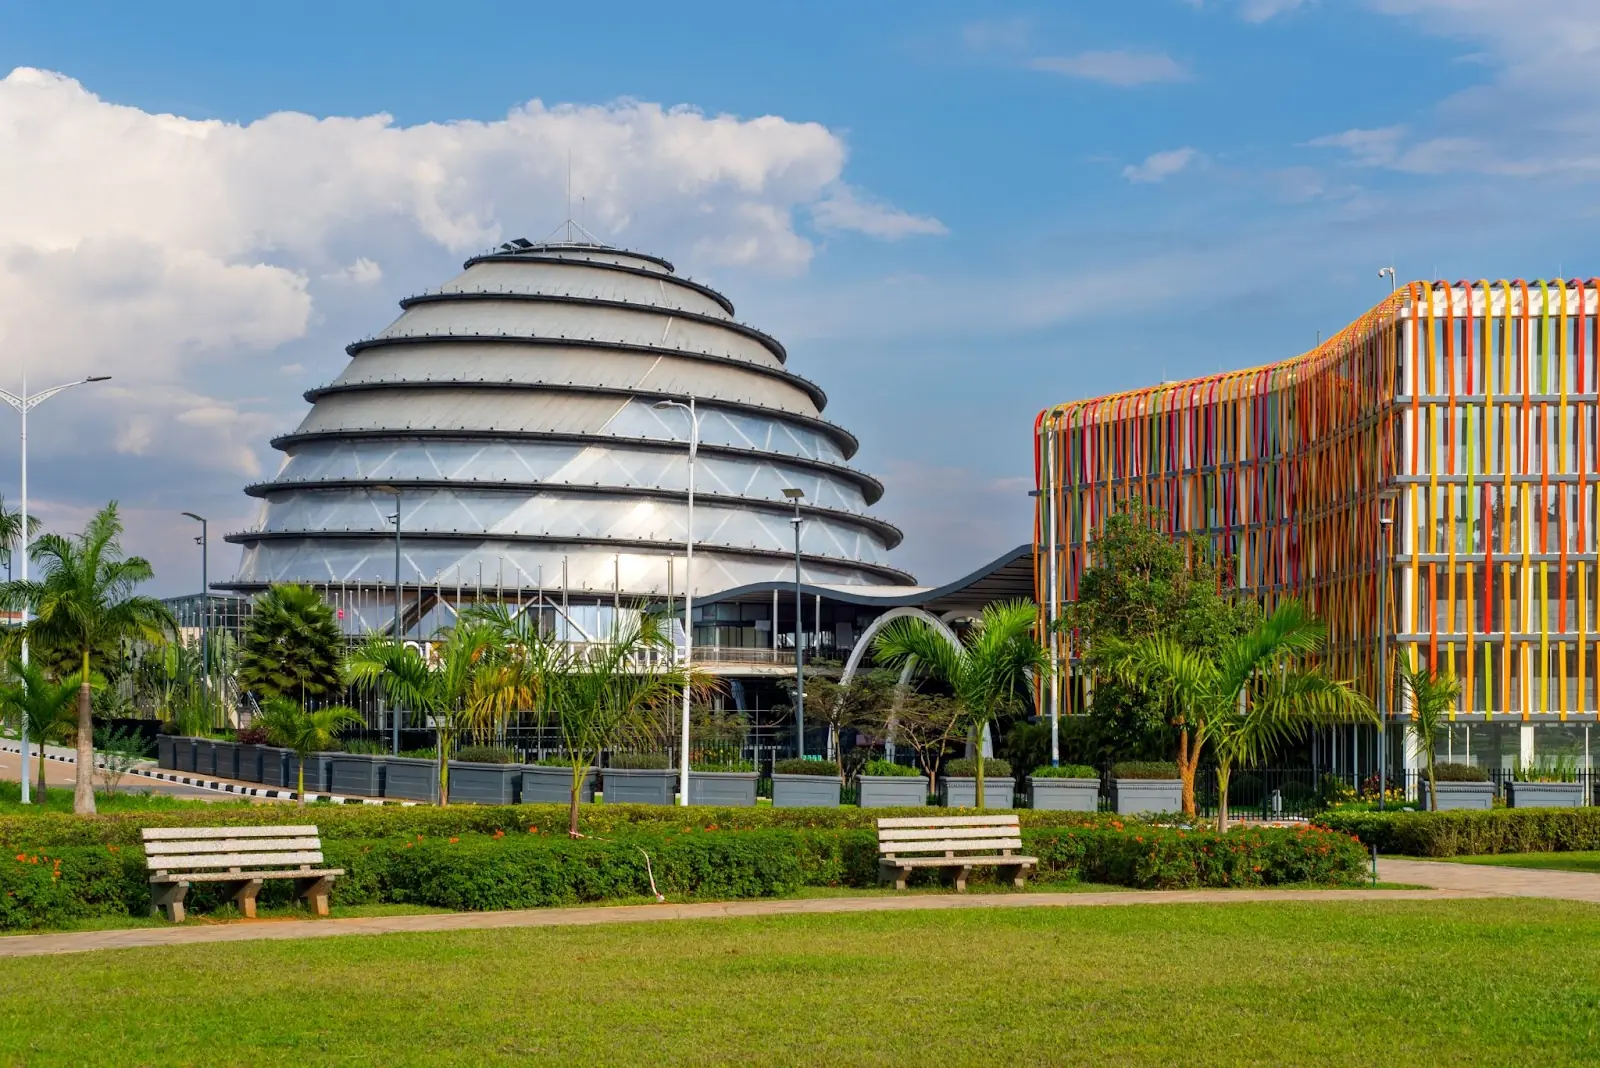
947, 821
916, 834
153, 834
232, 845
240, 876
961, 862
234, 860
948, 845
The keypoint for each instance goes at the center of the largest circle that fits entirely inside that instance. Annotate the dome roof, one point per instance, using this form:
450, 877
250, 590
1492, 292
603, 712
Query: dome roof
513, 408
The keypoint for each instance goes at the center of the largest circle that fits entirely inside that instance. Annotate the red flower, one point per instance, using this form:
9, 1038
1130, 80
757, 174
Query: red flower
499, 833
533, 830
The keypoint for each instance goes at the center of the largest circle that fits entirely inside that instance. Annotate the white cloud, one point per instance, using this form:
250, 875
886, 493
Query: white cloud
363, 272
1159, 166
844, 209
1120, 68
1262, 10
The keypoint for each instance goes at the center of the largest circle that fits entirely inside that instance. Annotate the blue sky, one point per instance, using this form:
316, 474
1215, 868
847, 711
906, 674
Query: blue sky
953, 214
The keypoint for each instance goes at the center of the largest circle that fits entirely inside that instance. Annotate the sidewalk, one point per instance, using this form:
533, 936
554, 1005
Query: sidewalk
1487, 879
256, 930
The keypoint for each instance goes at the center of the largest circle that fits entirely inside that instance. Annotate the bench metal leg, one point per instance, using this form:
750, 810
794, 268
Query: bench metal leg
245, 897
167, 899
314, 891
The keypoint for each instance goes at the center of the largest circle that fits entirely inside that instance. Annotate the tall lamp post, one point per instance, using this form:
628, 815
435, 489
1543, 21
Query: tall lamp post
205, 610
24, 403
395, 714
688, 589
796, 495
1386, 501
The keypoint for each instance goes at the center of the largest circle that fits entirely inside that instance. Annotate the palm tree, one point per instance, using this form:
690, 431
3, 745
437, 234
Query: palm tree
1249, 696
987, 672
291, 726
83, 604
46, 707
1433, 695
460, 687
292, 646
11, 535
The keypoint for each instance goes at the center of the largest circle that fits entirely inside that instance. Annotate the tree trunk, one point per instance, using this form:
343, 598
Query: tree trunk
443, 749
1187, 763
83, 794
41, 799
980, 769
1223, 773
1433, 788
300, 790
577, 785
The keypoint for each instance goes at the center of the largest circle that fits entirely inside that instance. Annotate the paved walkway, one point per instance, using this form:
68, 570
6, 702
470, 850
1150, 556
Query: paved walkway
257, 930
1491, 879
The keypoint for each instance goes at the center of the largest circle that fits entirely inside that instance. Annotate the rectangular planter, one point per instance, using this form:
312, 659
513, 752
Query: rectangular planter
962, 792
357, 774
166, 756
318, 768
891, 791
546, 785
183, 754
728, 789
805, 791
275, 766
1543, 794
249, 766
638, 786
474, 783
411, 778
227, 760
1137, 797
205, 756
1065, 795
1459, 795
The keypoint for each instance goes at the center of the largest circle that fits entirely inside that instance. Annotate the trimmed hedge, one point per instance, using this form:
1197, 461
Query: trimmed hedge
806, 766
1064, 771
967, 768
1470, 833
506, 871
1445, 772
1144, 769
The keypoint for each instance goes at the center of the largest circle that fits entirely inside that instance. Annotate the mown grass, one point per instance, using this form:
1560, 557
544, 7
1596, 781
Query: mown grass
1459, 982
131, 796
1575, 861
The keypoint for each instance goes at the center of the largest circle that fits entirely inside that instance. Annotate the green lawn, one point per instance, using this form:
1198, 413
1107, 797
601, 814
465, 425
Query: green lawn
1458, 982
134, 795
1574, 861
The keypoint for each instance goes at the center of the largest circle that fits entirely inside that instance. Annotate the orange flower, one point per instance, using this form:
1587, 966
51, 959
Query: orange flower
499, 833
453, 841
22, 858
712, 827
533, 830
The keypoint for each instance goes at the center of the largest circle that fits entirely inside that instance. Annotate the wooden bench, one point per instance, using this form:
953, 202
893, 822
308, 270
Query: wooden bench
957, 842
243, 857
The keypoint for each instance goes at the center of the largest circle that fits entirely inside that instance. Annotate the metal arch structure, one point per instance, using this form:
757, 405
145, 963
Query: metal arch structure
514, 406
864, 643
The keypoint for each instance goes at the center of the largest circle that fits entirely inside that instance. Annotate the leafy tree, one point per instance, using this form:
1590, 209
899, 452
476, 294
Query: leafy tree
84, 601
292, 726
1251, 694
121, 750
11, 536
930, 724
988, 672
1433, 695
860, 704
292, 647
48, 707
1144, 584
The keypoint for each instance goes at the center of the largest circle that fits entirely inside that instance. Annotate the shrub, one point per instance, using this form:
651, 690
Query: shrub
551, 762
485, 754
722, 765
967, 767
640, 761
887, 767
252, 735
364, 747
1562, 770
808, 766
1164, 858
1065, 771
1468, 833
1246, 789
1459, 773
1144, 769
430, 753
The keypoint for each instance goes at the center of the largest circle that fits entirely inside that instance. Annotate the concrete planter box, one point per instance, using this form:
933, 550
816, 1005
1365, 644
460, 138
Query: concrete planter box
805, 791
725, 789
891, 791
249, 766
962, 792
183, 754
638, 786
318, 772
546, 785
411, 778
205, 756
275, 766
1065, 795
1542, 794
166, 757
474, 783
1137, 797
1459, 795
225, 760
360, 774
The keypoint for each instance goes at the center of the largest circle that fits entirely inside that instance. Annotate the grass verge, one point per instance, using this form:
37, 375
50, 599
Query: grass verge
1585, 861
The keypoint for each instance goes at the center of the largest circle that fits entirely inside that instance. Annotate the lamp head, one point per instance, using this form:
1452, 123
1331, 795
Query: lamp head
98, 378
793, 494
197, 518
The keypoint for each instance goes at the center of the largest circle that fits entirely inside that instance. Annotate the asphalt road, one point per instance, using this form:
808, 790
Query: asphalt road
59, 774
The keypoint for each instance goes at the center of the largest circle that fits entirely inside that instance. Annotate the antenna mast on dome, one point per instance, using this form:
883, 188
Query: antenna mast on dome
576, 234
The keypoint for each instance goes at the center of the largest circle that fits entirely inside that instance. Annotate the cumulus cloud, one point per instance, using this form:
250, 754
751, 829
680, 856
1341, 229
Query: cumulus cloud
844, 209
1258, 10
1159, 166
363, 272
1122, 69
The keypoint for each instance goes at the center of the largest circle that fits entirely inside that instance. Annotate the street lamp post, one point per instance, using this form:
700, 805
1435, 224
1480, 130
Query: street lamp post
1388, 272
205, 610
796, 495
24, 403
395, 713
688, 590
1385, 524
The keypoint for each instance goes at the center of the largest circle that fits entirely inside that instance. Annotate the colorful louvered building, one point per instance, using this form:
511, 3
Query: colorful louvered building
1467, 408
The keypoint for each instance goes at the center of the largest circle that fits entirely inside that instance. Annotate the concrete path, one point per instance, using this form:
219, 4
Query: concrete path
63, 774
257, 930
1491, 879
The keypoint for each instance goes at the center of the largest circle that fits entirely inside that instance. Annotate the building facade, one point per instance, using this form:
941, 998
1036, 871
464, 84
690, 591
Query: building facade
1464, 411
